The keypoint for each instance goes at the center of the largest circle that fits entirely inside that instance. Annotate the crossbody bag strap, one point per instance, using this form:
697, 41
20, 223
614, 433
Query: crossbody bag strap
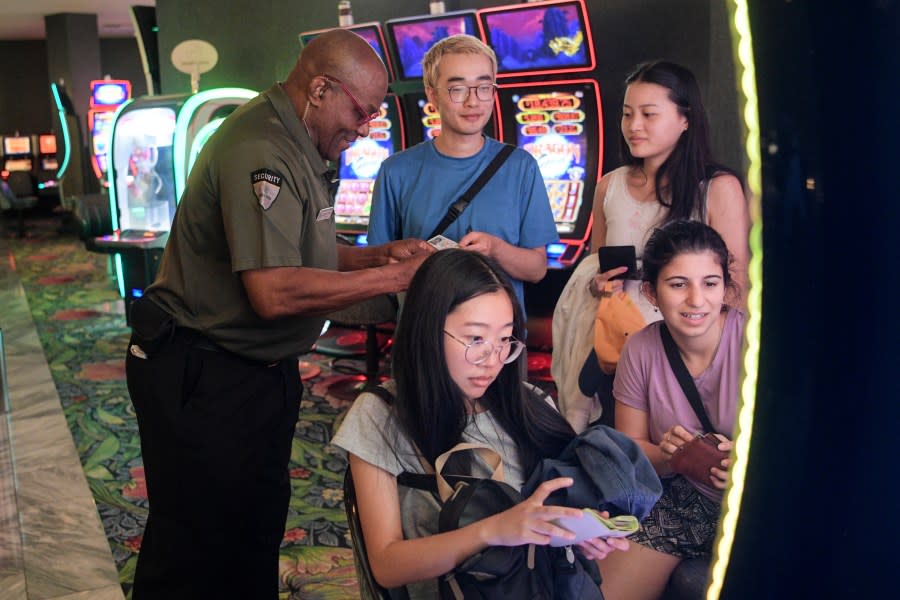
460, 205
684, 378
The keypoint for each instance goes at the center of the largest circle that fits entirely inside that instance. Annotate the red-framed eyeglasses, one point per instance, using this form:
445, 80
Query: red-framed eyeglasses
365, 116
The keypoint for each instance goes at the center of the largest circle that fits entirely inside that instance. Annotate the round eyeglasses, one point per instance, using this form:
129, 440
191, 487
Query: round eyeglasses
480, 350
483, 91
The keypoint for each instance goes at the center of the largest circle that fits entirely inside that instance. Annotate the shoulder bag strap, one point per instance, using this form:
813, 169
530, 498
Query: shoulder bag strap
684, 378
460, 205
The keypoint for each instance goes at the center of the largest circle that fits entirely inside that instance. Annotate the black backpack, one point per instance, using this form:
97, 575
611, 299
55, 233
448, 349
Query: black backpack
526, 572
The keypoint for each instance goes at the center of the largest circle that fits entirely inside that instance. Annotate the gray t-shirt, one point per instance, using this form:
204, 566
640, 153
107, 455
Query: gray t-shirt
372, 432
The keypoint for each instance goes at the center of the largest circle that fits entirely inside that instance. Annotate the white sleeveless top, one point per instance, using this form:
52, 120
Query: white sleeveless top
630, 223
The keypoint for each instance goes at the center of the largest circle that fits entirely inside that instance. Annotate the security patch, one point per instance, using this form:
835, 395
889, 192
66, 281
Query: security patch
266, 185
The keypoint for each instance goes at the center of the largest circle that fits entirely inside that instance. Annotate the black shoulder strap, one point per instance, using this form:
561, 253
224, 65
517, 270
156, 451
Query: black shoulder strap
382, 392
684, 378
460, 205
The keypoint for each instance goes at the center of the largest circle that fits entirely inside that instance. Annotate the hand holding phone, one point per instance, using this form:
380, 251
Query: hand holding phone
612, 257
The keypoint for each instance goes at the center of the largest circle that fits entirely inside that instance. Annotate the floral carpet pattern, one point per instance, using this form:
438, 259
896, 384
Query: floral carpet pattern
81, 325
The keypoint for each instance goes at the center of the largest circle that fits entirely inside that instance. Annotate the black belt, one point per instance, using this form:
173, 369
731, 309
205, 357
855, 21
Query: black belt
195, 339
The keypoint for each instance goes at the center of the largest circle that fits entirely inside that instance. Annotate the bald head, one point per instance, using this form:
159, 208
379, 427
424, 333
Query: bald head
337, 83
342, 54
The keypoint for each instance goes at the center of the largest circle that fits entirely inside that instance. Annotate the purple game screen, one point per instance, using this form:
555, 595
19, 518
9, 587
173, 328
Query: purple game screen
531, 39
367, 32
413, 38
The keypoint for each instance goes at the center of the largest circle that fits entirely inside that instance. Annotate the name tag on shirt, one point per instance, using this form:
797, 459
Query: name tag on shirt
325, 214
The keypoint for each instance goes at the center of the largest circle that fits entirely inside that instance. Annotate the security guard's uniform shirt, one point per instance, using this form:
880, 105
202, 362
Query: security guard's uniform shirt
257, 197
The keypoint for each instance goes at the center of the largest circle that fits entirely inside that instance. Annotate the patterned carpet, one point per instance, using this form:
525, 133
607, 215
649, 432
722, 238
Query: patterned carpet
81, 325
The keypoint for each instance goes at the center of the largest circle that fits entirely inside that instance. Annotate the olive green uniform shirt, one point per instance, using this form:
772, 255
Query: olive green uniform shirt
257, 197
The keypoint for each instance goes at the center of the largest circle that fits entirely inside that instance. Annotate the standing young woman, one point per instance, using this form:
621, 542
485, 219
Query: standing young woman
458, 371
686, 277
669, 174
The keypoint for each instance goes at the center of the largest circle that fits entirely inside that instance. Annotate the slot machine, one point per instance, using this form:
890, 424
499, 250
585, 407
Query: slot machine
107, 95
410, 39
147, 167
359, 164
545, 108
18, 154
73, 179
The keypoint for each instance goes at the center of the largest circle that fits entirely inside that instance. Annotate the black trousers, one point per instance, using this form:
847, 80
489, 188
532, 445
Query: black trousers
216, 434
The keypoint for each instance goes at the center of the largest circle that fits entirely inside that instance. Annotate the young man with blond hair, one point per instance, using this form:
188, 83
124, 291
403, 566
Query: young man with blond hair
510, 219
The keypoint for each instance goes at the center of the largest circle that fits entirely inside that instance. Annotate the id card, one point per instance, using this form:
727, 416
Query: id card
442, 243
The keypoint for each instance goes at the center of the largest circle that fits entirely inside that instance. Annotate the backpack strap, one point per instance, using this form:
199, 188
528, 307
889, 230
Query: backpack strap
487, 454
460, 205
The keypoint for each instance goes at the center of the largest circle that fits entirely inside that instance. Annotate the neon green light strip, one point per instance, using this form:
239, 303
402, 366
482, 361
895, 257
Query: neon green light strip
744, 429
64, 126
200, 140
120, 275
185, 115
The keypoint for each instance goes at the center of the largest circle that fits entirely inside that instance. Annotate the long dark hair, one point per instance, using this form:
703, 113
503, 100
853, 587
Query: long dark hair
680, 179
684, 237
429, 405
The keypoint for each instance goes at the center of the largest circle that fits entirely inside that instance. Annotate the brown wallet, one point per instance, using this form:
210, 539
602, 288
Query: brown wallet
695, 458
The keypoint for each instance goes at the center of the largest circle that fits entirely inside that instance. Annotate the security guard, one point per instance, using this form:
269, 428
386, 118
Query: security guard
249, 271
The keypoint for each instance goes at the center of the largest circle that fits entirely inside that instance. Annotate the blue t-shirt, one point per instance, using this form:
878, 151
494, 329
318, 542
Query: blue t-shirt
415, 188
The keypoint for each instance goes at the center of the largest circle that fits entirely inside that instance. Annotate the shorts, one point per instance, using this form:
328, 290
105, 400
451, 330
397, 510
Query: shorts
682, 523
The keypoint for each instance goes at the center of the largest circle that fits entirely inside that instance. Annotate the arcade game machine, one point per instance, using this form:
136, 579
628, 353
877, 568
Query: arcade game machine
557, 118
411, 38
146, 171
356, 172
107, 95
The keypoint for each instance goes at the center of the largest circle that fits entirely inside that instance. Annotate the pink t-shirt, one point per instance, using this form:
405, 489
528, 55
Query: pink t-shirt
645, 381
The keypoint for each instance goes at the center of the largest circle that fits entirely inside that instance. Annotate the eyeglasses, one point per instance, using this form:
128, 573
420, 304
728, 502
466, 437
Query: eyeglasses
480, 350
483, 91
365, 117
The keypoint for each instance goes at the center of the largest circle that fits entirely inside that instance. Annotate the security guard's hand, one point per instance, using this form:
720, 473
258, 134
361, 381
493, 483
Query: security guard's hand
403, 249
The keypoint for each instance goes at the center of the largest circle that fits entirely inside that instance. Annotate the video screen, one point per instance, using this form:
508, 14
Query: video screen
371, 32
17, 144
559, 127
109, 92
549, 36
359, 166
47, 144
143, 168
413, 37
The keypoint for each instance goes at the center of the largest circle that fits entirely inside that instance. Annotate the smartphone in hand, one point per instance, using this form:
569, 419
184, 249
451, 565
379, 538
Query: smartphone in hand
612, 257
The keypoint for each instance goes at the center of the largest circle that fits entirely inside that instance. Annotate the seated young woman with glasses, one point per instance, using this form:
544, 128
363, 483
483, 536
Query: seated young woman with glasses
458, 376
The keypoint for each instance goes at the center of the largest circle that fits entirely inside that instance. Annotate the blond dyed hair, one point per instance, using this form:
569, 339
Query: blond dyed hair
455, 44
